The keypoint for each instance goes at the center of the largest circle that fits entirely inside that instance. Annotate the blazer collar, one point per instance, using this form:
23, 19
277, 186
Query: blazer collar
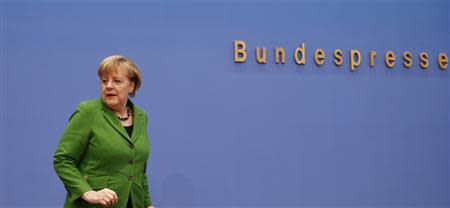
138, 120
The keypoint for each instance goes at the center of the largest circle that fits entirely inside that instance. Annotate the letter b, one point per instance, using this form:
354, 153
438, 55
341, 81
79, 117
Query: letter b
239, 51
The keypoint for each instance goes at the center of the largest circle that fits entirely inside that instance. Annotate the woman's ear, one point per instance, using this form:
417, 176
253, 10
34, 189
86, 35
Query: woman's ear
132, 88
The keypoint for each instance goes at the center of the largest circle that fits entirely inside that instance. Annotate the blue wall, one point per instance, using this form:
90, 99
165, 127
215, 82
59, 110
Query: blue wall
238, 135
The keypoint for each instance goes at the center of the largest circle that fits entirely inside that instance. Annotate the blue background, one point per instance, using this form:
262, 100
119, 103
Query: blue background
238, 135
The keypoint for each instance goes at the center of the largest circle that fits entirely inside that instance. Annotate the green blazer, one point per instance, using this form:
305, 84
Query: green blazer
95, 152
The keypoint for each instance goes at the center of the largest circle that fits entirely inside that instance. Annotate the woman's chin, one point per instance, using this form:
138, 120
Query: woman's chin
110, 102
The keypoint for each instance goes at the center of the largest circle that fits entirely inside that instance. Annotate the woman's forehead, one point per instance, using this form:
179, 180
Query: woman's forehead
114, 72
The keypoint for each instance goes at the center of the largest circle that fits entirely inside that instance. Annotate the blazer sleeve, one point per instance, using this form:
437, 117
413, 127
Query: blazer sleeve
70, 151
148, 199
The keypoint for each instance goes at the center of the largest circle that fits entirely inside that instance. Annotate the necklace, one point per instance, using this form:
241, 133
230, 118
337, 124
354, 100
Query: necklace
125, 118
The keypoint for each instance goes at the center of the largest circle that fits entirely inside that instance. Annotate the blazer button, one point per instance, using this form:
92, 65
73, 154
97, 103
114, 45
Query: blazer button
130, 178
130, 162
131, 146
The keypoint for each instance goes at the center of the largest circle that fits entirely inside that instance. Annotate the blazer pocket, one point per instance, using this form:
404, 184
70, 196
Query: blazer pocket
98, 182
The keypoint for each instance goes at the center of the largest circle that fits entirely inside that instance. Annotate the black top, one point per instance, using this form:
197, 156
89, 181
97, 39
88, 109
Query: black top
129, 130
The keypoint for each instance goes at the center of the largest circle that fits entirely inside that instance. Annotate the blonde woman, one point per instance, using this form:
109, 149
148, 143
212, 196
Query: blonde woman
102, 155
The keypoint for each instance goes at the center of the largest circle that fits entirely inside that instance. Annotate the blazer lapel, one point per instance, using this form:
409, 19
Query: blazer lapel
113, 121
138, 122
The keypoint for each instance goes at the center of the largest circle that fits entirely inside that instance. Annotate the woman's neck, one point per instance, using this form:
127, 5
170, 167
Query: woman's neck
123, 111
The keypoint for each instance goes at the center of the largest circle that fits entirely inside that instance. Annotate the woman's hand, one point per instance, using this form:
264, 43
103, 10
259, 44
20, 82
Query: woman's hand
105, 197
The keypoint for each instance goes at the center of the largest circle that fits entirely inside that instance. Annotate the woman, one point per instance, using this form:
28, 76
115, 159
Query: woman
102, 154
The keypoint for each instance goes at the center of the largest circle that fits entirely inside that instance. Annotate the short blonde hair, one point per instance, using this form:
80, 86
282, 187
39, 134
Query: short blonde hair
112, 63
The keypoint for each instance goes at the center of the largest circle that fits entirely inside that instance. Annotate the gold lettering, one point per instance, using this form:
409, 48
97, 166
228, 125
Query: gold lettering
354, 63
338, 57
240, 55
300, 50
372, 58
389, 59
259, 59
443, 61
279, 51
423, 60
407, 62
319, 56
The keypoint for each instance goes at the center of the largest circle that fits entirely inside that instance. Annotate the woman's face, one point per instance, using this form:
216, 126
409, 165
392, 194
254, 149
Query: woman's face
115, 88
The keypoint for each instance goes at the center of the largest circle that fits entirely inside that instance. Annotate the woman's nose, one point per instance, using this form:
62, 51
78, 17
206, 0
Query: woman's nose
109, 84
